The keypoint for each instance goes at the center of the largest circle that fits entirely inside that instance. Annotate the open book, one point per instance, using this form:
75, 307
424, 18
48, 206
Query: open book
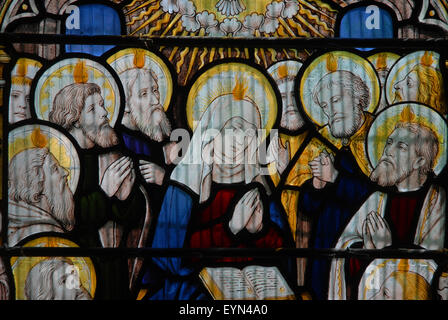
250, 283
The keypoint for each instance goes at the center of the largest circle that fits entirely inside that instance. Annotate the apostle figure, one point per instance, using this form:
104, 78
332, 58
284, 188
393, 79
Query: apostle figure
19, 99
411, 214
39, 198
216, 198
110, 204
339, 184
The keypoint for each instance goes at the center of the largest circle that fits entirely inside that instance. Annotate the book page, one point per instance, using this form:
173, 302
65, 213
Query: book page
268, 283
227, 283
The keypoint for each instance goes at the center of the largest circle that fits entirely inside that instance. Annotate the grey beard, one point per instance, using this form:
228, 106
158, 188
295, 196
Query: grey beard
292, 123
62, 206
387, 178
146, 125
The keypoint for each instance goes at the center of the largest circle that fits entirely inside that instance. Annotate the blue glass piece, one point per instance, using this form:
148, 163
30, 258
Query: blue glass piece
366, 22
95, 19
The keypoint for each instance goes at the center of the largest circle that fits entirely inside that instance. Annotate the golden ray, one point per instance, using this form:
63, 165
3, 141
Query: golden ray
202, 57
212, 55
246, 52
139, 7
193, 56
303, 21
175, 31
273, 54
285, 25
324, 5
257, 58
131, 4
286, 53
305, 3
263, 57
299, 29
144, 24
172, 23
143, 14
315, 19
173, 53
221, 53
229, 52
159, 24
296, 53
237, 52
181, 61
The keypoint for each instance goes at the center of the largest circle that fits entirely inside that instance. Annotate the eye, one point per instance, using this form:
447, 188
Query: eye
90, 108
389, 142
324, 105
54, 169
143, 93
403, 147
335, 99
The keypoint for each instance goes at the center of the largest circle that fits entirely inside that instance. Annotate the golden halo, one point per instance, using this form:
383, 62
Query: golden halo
385, 122
125, 59
21, 138
21, 266
404, 65
221, 80
380, 269
63, 73
340, 61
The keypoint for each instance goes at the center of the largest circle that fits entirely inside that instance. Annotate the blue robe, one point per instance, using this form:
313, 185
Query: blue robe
170, 278
330, 209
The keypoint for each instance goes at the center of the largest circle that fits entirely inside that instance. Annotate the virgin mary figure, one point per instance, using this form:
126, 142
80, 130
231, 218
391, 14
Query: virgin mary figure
216, 199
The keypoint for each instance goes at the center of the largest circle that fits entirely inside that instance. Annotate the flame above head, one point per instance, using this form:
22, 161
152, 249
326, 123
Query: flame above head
282, 71
331, 63
139, 58
381, 63
38, 139
407, 115
80, 74
240, 89
427, 59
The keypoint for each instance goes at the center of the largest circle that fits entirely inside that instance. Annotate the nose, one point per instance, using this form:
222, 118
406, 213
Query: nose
398, 85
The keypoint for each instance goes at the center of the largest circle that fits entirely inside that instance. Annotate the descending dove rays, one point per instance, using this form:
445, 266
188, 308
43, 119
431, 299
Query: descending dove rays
230, 7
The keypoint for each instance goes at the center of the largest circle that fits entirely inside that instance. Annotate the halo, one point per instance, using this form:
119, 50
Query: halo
346, 61
21, 266
29, 70
380, 269
58, 144
220, 80
60, 75
124, 60
383, 60
385, 122
403, 66
284, 68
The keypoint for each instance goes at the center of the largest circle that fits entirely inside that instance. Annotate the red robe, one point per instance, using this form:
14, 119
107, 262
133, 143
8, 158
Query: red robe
210, 229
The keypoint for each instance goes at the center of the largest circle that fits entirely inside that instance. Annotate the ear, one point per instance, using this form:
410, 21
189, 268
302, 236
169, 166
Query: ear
418, 163
207, 153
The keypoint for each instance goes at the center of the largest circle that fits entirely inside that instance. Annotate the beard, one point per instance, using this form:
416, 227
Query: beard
62, 204
154, 123
104, 137
386, 174
342, 130
397, 96
292, 121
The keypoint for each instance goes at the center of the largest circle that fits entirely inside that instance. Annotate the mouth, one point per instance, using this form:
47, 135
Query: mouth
20, 115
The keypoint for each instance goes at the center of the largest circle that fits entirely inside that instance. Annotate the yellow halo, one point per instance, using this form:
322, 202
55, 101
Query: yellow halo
21, 266
127, 59
23, 137
62, 73
221, 80
345, 61
385, 122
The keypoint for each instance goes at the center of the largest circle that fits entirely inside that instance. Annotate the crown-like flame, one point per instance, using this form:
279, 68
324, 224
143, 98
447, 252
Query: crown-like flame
332, 63
139, 58
407, 115
427, 59
21, 68
403, 265
38, 139
282, 71
80, 74
381, 63
240, 89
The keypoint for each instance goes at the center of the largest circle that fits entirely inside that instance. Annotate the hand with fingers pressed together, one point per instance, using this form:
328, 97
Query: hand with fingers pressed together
115, 174
248, 213
375, 231
151, 172
323, 169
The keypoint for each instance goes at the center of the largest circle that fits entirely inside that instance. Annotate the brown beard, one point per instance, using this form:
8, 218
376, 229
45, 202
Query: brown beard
104, 137
387, 175
62, 205
397, 97
145, 123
